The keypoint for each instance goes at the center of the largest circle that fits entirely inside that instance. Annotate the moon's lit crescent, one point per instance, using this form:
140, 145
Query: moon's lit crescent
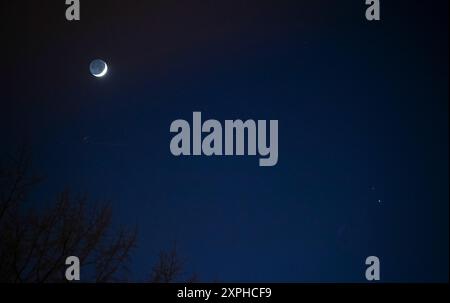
98, 68
105, 70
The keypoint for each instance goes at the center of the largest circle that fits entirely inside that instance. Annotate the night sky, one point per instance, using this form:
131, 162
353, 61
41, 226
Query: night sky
363, 129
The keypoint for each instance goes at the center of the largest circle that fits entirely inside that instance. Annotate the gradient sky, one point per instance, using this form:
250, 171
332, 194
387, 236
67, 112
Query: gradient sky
362, 109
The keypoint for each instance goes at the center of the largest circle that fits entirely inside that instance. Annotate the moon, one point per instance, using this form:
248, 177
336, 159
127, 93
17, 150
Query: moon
98, 68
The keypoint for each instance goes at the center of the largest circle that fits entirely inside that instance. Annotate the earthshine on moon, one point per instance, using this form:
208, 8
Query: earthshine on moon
98, 68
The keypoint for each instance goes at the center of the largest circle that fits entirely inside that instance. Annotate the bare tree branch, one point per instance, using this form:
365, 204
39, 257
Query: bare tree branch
34, 245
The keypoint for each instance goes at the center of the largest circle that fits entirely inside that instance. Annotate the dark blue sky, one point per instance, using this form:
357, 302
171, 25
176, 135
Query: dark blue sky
362, 110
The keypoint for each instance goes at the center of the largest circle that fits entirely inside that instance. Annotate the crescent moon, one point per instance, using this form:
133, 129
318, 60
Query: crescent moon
105, 70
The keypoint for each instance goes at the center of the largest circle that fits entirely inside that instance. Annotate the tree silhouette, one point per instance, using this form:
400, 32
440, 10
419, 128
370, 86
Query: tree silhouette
168, 268
35, 243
